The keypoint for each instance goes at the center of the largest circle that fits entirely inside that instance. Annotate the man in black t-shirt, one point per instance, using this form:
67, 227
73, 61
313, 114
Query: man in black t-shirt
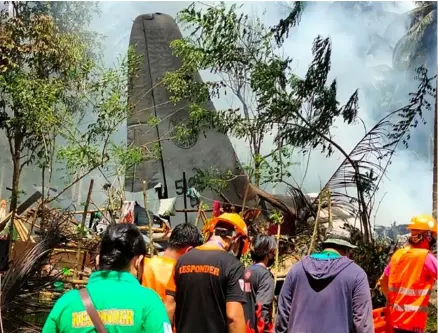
206, 291
260, 297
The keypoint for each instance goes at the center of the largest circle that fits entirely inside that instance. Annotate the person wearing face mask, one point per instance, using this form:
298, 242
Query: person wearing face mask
206, 291
118, 299
408, 279
260, 295
326, 292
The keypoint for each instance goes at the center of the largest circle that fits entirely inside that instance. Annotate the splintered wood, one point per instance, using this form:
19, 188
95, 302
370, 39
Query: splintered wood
22, 230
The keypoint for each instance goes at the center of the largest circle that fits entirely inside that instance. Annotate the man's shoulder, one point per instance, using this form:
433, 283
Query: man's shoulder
358, 272
259, 271
159, 260
208, 254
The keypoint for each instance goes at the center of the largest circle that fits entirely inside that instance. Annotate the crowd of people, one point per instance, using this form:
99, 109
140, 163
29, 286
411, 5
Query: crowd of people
197, 286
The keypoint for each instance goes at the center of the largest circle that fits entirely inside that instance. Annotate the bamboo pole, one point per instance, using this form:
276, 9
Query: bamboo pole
146, 227
77, 212
244, 198
315, 229
199, 213
192, 210
330, 220
84, 217
145, 199
204, 218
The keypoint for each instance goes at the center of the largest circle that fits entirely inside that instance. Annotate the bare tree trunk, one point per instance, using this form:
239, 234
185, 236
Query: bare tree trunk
435, 156
15, 190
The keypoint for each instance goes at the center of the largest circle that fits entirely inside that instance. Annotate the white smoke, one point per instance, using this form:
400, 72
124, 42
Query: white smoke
407, 190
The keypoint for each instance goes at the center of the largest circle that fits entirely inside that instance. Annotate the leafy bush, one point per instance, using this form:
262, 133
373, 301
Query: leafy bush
373, 258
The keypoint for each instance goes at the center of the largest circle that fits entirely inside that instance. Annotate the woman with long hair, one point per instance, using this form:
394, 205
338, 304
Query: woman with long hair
114, 291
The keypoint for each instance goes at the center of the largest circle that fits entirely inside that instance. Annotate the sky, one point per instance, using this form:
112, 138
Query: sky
406, 191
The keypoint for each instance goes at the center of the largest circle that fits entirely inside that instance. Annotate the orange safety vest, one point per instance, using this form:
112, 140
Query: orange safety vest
409, 289
156, 274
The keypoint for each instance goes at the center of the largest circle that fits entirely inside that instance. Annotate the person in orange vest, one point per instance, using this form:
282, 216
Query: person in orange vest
158, 269
408, 279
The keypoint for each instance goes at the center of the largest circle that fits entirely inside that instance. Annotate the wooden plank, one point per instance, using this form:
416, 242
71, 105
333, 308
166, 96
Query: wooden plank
67, 251
29, 202
28, 236
20, 231
75, 281
154, 229
25, 205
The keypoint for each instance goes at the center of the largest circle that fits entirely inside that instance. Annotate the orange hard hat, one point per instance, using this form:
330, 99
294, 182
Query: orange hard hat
239, 227
424, 222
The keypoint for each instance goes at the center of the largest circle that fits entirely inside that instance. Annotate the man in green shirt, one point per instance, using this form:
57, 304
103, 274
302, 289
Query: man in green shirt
124, 306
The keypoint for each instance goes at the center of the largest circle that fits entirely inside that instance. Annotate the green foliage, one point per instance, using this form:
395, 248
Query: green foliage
103, 108
272, 167
432, 321
58, 102
281, 30
246, 259
211, 179
372, 257
418, 46
276, 217
243, 53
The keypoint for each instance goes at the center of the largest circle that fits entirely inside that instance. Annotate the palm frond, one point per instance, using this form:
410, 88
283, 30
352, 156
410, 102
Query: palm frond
364, 168
417, 41
281, 30
23, 281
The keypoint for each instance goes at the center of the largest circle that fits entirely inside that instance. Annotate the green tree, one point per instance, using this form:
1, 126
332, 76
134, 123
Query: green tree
418, 47
51, 79
276, 107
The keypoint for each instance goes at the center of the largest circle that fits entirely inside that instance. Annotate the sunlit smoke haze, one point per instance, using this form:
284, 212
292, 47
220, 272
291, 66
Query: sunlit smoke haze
355, 65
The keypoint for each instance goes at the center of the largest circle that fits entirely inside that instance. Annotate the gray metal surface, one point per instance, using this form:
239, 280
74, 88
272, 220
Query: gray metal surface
151, 35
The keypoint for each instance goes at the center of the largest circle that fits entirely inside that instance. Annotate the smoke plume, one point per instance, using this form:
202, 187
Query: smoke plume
362, 44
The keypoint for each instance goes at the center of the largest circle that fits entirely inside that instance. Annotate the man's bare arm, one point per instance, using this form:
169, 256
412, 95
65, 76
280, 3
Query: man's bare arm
170, 307
236, 318
383, 281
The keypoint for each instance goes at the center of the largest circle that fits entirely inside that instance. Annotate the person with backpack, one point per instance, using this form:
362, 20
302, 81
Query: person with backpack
113, 300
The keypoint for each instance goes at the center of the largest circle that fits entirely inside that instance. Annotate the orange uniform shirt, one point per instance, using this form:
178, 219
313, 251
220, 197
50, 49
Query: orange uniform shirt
156, 274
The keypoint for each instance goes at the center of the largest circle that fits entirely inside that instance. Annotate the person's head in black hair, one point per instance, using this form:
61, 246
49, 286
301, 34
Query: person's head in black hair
122, 249
263, 250
183, 238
